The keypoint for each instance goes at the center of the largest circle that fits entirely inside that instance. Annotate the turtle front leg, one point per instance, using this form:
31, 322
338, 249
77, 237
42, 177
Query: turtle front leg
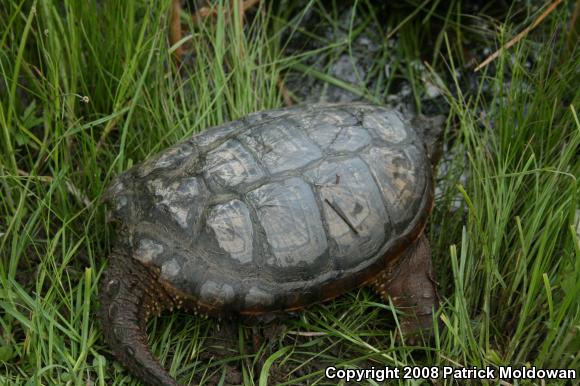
129, 296
411, 287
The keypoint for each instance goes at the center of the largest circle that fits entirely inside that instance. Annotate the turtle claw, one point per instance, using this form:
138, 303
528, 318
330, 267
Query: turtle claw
415, 331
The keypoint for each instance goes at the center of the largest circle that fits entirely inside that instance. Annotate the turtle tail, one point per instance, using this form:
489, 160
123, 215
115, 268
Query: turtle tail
130, 295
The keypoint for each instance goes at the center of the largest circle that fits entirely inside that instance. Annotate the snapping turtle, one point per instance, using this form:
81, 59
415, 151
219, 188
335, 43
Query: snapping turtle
270, 213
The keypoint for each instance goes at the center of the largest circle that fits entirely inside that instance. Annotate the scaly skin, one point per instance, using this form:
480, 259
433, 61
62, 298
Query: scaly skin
130, 294
411, 287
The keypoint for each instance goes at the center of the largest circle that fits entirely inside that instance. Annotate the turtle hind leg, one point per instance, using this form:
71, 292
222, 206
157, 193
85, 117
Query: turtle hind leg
129, 296
411, 287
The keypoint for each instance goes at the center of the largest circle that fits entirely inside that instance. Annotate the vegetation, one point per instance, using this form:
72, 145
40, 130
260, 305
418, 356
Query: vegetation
89, 88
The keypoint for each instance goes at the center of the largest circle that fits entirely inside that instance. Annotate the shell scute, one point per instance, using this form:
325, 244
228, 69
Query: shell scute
232, 226
353, 209
389, 126
281, 146
184, 200
209, 139
172, 159
400, 175
288, 213
230, 165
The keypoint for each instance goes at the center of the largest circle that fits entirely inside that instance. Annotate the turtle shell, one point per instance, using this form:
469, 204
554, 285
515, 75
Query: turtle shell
279, 209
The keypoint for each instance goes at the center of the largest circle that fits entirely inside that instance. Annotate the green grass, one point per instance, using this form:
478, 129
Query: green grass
88, 90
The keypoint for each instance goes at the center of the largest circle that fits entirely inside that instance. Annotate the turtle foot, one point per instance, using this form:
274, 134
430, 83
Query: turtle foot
128, 298
411, 287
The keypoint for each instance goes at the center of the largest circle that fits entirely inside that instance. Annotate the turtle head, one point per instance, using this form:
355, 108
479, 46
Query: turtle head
430, 129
